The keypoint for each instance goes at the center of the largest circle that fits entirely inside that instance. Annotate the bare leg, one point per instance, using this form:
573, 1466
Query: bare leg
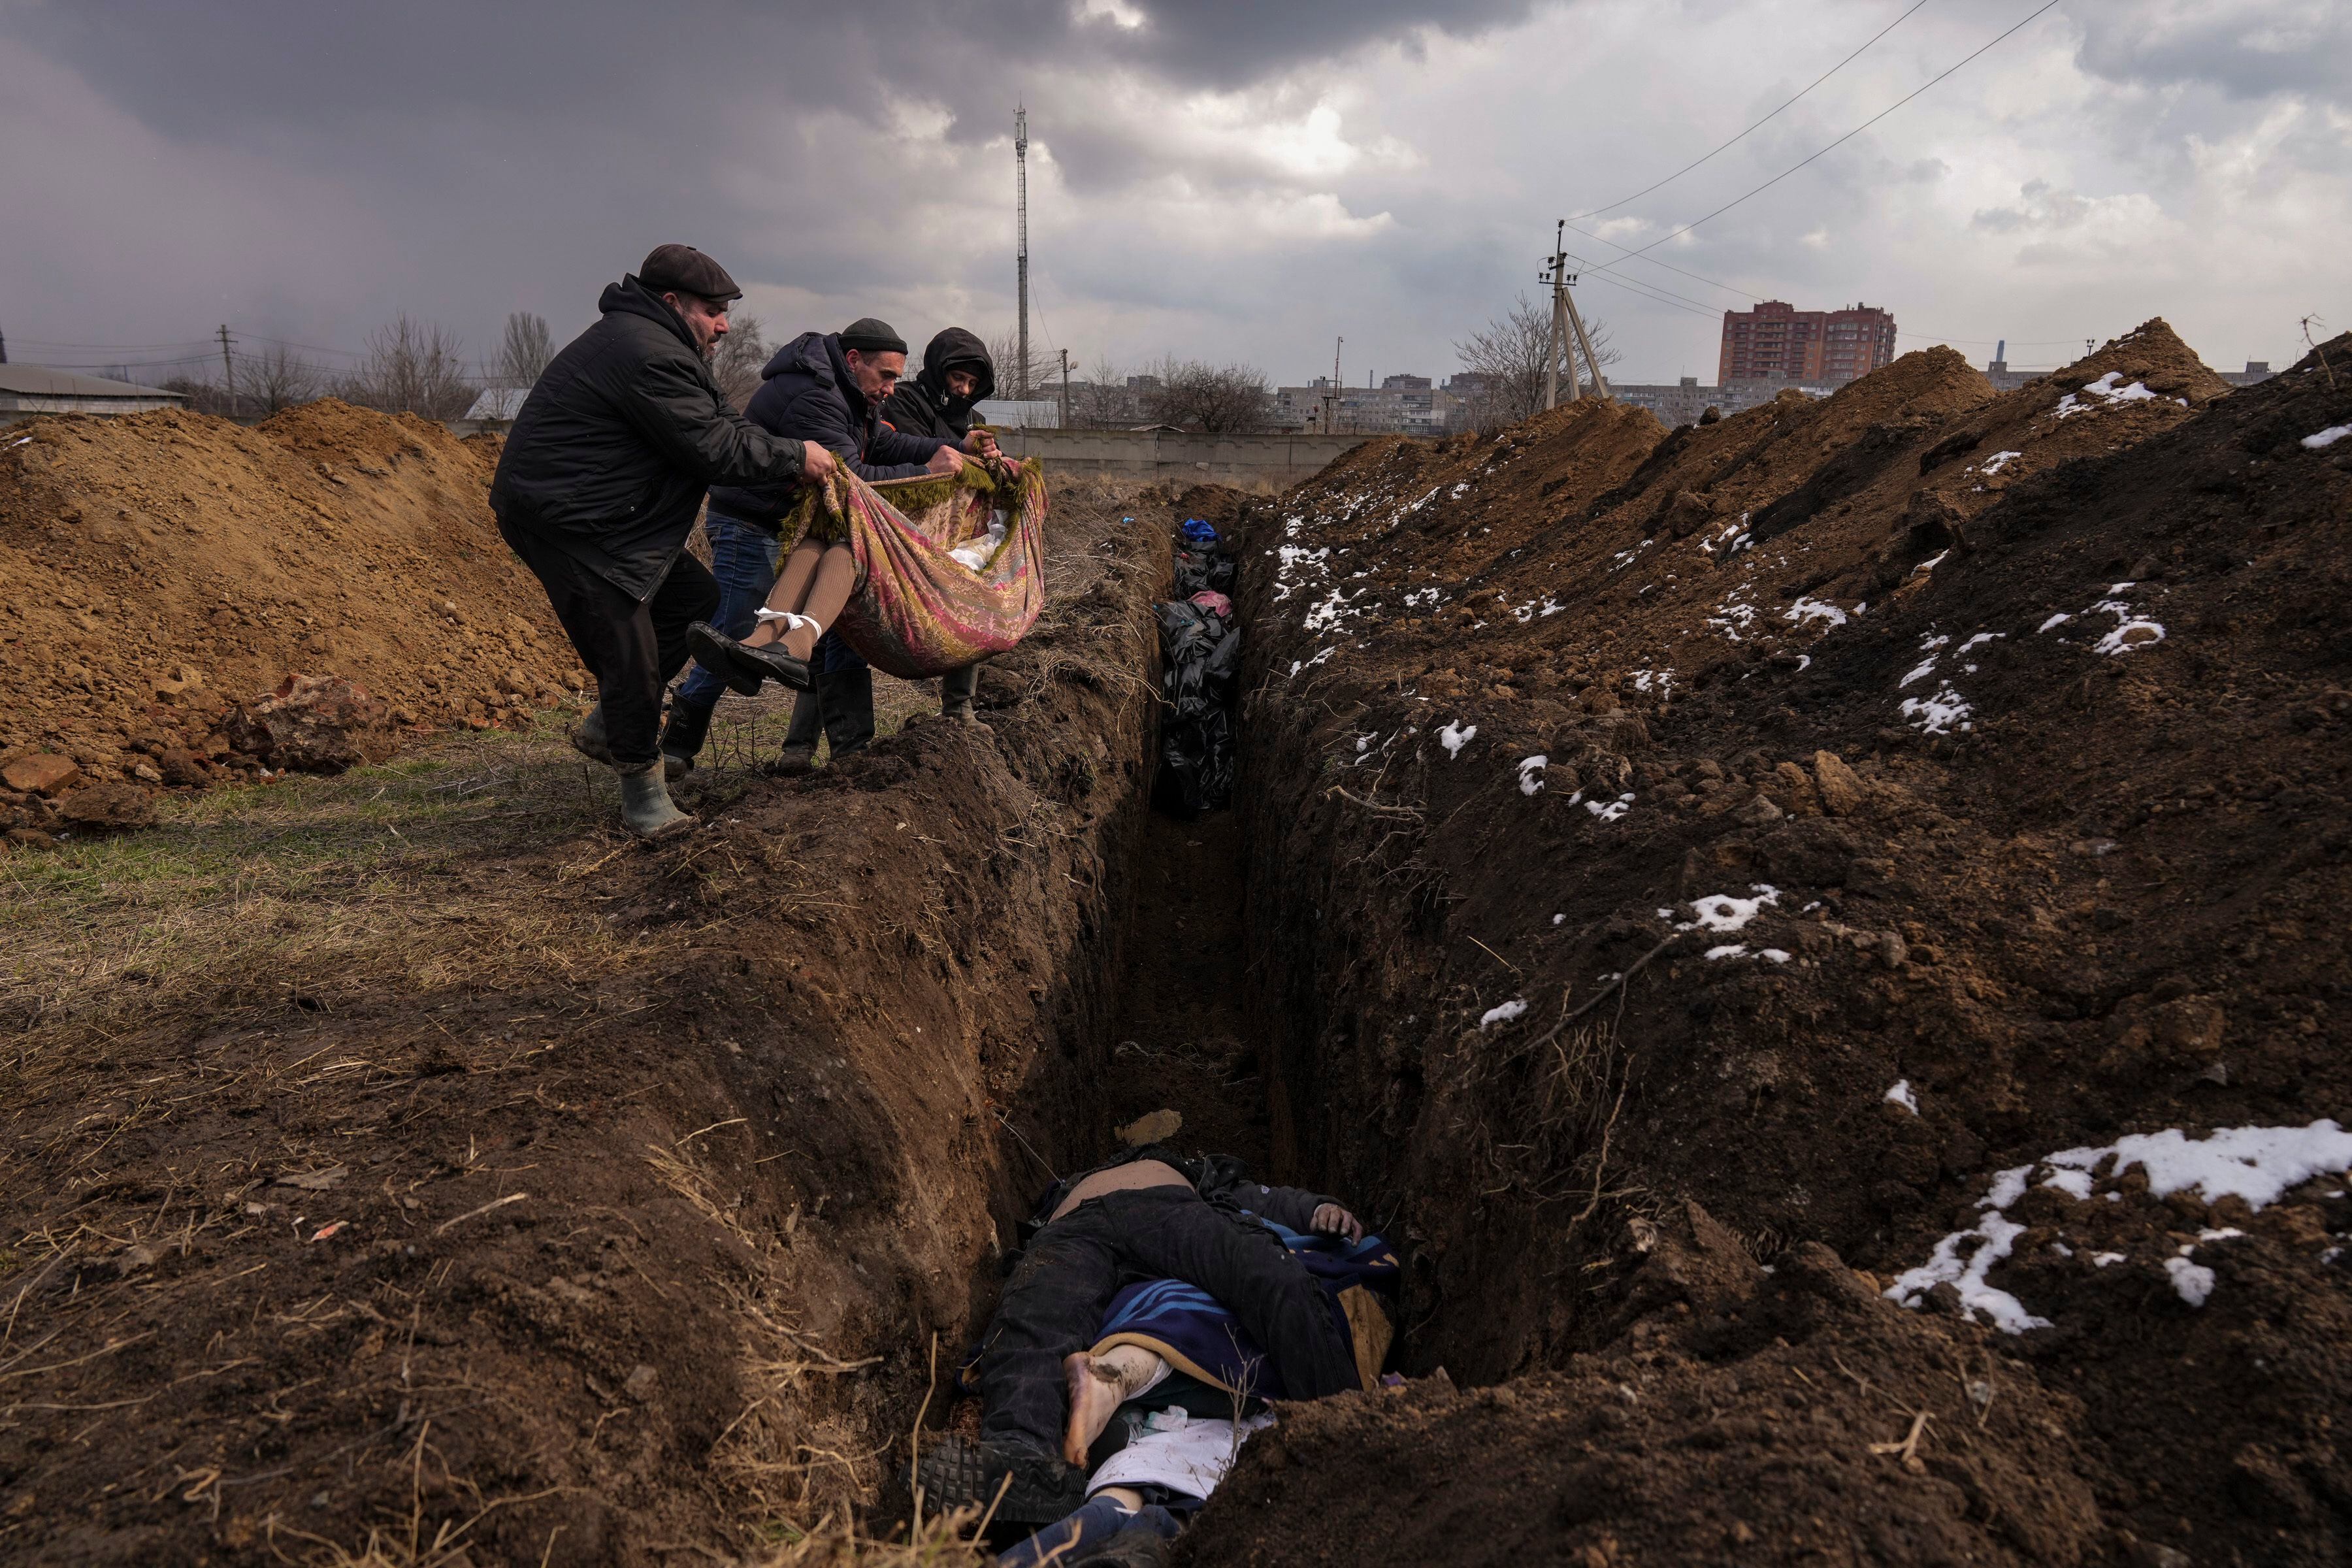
1098, 1386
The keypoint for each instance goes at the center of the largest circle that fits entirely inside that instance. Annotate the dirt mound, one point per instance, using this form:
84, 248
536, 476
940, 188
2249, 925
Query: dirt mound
158, 567
1830, 819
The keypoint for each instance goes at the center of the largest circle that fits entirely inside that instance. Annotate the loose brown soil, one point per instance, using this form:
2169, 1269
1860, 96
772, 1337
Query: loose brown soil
157, 567
2100, 899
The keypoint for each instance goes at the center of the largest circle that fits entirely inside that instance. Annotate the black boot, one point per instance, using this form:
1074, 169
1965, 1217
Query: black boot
682, 738
1042, 1489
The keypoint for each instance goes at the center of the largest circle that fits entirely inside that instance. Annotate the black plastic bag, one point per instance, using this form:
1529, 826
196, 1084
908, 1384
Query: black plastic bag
1199, 569
1201, 653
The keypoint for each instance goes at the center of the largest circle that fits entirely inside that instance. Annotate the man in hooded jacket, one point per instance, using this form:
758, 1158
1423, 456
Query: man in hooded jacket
957, 373
827, 388
598, 486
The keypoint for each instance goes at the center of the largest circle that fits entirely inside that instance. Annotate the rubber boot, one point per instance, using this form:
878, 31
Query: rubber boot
589, 739
682, 738
957, 690
645, 808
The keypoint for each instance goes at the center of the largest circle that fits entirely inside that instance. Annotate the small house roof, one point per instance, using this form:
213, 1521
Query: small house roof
39, 381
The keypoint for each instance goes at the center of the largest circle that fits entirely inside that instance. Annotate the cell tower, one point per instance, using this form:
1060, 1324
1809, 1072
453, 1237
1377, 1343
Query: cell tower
1021, 170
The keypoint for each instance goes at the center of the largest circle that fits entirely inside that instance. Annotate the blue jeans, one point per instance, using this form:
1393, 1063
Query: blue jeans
743, 559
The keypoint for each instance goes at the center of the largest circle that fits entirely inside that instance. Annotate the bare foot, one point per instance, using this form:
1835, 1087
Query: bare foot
1095, 1394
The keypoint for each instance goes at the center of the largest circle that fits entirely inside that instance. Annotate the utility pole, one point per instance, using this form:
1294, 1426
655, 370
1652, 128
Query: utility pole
1020, 175
1066, 389
4, 348
1331, 399
228, 368
1566, 335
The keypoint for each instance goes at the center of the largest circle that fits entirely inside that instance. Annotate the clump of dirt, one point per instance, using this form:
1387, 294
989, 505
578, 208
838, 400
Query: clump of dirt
157, 568
1828, 815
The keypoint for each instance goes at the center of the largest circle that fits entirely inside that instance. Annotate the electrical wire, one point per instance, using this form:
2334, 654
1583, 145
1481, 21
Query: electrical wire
1817, 81
2046, 6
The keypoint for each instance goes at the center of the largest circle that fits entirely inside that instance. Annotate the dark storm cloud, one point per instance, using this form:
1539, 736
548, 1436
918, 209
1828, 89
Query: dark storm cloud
218, 71
2243, 48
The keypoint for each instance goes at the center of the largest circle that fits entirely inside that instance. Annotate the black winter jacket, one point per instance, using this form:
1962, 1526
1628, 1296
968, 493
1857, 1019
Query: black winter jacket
615, 445
806, 393
923, 408
1219, 1178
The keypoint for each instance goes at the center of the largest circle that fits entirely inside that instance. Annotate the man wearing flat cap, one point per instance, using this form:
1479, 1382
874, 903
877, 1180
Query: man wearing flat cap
827, 388
598, 488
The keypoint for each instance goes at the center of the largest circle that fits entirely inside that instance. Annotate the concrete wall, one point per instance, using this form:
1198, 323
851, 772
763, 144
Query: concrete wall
1279, 461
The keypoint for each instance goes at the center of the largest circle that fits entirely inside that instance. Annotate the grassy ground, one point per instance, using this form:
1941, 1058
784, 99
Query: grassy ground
312, 886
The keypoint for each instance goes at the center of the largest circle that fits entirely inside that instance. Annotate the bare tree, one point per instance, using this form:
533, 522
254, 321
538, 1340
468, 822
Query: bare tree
1005, 354
1103, 400
278, 379
741, 355
204, 396
1194, 394
1507, 360
412, 367
524, 352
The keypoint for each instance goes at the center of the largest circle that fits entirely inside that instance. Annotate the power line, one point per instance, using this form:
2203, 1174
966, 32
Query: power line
2045, 7
1817, 81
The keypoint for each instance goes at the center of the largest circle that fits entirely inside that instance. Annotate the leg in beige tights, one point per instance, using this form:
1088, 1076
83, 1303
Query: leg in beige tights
815, 583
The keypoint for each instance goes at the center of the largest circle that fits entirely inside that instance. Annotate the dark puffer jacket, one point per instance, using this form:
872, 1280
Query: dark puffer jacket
806, 393
923, 408
615, 445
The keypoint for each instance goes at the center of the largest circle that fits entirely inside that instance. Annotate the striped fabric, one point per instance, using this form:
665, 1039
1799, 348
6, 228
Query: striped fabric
917, 610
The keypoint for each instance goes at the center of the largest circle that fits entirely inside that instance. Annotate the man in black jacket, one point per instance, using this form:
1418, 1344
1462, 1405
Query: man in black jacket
956, 373
826, 388
598, 488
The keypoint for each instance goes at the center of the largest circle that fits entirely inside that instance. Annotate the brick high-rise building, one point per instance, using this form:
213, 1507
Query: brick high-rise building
1777, 341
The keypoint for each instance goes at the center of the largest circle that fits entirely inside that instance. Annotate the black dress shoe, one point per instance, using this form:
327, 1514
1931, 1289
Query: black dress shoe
770, 662
712, 649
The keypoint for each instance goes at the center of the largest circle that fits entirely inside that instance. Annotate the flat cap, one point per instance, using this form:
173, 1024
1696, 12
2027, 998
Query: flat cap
867, 335
682, 269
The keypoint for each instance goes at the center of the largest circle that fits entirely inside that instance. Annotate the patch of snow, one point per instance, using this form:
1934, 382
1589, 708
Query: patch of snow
2106, 390
1458, 492
2259, 1165
1993, 464
1806, 609
2130, 632
2317, 440
1557, 918
2193, 1280
1455, 736
1722, 912
1901, 1094
1502, 1015
1728, 950
1980, 639
2075, 1183
1609, 811
1938, 714
2060, 619
1531, 774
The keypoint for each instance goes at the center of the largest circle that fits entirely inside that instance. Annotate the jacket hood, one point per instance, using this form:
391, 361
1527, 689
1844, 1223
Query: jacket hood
944, 352
629, 297
807, 354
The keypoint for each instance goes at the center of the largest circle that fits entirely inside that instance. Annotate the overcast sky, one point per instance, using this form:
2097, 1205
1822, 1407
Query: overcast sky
1227, 179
